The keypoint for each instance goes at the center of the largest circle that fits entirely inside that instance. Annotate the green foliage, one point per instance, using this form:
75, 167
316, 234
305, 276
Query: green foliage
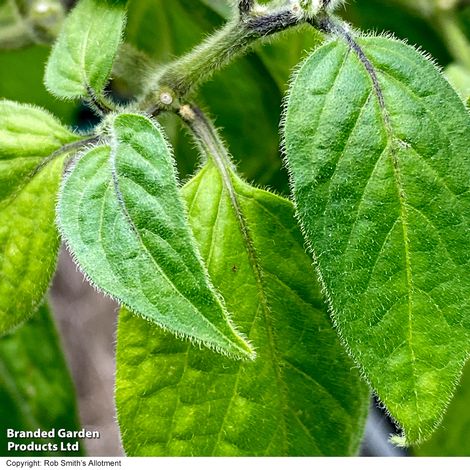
28, 189
403, 18
36, 390
123, 219
249, 91
451, 439
82, 58
377, 144
174, 399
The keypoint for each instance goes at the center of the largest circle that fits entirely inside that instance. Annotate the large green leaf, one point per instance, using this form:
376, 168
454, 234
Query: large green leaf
83, 56
123, 218
301, 396
28, 191
451, 439
377, 144
36, 391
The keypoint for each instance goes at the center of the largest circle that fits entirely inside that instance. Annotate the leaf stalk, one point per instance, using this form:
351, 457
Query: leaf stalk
182, 76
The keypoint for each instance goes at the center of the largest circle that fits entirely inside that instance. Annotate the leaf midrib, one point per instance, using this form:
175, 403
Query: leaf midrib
223, 169
122, 204
371, 72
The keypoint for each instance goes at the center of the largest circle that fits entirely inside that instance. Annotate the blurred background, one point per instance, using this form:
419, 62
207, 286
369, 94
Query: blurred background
245, 100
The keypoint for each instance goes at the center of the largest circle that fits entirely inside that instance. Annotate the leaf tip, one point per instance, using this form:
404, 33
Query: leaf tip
399, 440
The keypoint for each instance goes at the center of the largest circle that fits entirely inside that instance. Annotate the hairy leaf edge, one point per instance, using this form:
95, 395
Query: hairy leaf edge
199, 343
401, 439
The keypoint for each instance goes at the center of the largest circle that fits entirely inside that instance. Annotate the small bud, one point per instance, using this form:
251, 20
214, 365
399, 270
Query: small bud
187, 113
166, 98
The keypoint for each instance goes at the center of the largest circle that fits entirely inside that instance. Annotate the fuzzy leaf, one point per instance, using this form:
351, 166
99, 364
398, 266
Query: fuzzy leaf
83, 56
377, 145
302, 394
123, 218
28, 191
36, 390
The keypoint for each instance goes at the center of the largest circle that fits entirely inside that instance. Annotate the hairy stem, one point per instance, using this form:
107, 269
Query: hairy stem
172, 84
211, 146
207, 138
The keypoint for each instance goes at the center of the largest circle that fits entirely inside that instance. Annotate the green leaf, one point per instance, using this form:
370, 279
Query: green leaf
28, 136
301, 396
28, 190
123, 218
83, 56
451, 439
377, 144
36, 390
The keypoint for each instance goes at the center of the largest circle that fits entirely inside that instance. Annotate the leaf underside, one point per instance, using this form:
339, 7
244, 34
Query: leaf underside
124, 220
36, 390
377, 146
29, 185
83, 55
301, 396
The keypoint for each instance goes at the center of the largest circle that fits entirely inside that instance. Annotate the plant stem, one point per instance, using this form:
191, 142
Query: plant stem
172, 84
212, 147
207, 138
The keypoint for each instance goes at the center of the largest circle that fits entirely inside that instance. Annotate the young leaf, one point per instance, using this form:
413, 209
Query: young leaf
377, 145
451, 439
301, 396
82, 58
123, 218
35, 386
28, 190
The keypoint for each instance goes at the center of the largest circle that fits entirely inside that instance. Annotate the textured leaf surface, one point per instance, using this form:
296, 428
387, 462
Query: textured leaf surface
301, 396
82, 58
28, 191
377, 144
36, 390
124, 220
451, 439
